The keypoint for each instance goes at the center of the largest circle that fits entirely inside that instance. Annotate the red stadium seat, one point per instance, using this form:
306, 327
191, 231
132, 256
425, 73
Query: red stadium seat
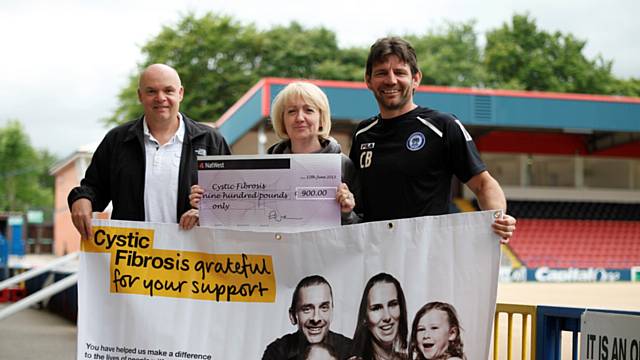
577, 243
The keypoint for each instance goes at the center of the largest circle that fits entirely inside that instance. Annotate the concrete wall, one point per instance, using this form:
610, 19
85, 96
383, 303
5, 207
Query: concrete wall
65, 237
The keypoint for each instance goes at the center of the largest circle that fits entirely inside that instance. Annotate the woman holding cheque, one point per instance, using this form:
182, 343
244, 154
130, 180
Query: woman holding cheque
300, 116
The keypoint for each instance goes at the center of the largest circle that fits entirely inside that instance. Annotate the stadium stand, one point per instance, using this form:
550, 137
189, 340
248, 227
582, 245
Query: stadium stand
576, 234
574, 210
563, 243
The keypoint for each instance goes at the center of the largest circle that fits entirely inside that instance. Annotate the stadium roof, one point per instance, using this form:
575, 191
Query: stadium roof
352, 102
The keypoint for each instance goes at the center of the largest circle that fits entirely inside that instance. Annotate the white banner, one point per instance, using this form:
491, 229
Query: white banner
609, 336
151, 291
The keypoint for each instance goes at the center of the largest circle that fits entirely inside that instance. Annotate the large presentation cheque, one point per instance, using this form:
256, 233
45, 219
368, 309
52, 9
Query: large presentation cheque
274, 191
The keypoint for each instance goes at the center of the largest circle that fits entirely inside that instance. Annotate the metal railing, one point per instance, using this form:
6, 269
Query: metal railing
551, 321
528, 334
45, 292
540, 339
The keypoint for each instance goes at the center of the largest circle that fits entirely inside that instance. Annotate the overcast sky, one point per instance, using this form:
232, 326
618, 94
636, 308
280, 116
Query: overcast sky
63, 62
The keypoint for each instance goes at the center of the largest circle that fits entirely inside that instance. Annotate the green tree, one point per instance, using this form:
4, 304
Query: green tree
518, 55
215, 56
219, 59
25, 182
628, 87
295, 52
292, 51
450, 56
346, 64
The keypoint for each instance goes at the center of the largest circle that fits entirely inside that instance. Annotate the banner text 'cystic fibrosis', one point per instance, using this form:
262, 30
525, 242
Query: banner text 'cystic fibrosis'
137, 268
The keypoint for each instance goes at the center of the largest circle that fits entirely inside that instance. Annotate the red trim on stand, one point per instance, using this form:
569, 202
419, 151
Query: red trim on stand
549, 143
266, 96
629, 150
532, 143
469, 91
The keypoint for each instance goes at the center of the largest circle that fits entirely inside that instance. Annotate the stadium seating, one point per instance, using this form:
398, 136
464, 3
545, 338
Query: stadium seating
576, 234
574, 210
577, 243
562, 243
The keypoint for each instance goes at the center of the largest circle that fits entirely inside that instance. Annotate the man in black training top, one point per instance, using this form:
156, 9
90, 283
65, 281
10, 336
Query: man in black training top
407, 154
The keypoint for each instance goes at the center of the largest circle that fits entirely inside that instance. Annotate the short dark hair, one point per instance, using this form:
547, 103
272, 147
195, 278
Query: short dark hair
392, 46
306, 282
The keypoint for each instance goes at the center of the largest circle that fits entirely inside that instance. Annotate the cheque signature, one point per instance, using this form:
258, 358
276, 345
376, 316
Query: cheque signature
274, 215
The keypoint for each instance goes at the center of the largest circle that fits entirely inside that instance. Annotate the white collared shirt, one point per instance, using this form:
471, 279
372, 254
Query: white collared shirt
162, 169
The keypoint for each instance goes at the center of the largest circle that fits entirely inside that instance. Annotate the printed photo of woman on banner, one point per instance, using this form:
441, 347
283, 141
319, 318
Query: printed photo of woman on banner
381, 329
